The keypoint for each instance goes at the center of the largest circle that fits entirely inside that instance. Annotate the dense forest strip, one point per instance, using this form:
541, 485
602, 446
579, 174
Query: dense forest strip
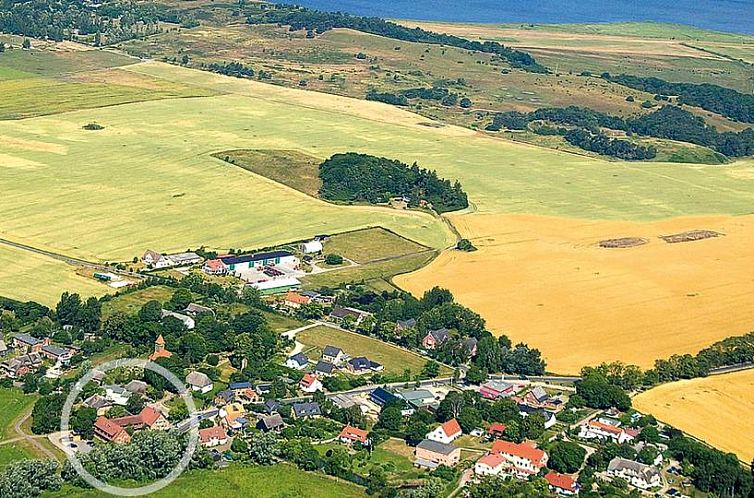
314, 21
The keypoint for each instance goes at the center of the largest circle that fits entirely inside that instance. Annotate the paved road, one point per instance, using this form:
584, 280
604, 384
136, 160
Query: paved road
731, 368
70, 260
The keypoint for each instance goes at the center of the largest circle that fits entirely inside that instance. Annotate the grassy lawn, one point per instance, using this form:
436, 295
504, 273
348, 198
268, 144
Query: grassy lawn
374, 275
12, 452
13, 403
370, 244
28, 276
132, 302
282, 323
280, 481
289, 167
471, 442
394, 359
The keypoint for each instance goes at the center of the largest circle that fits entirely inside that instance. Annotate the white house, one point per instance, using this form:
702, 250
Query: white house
298, 361
187, 320
635, 473
334, 355
562, 484
199, 382
523, 460
490, 465
154, 259
595, 429
236, 264
310, 384
446, 433
117, 395
213, 436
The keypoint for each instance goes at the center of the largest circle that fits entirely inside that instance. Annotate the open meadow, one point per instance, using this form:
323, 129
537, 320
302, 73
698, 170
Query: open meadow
546, 281
395, 360
27, 276
716, 409
281, 480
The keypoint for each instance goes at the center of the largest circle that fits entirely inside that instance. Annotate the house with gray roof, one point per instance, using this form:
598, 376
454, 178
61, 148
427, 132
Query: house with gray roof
298, 361
272, 422
334, 355
306, 410
637, 474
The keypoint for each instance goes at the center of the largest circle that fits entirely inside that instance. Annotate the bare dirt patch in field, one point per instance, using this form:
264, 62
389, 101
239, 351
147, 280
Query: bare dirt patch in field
690, 236
546, 281
622, 242
715, 409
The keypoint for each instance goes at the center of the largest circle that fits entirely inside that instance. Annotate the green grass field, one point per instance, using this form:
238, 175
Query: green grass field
394, 359
28, 276
133, 301
13, 403
279, 481
363, 246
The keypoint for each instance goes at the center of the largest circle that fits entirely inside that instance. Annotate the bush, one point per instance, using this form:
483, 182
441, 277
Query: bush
334, 259
465, 245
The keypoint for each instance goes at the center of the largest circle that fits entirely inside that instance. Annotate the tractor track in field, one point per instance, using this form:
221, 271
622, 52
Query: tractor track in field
68, 259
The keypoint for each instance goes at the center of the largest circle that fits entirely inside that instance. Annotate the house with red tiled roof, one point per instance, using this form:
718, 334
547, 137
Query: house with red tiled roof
562, 484
523, 459
159, 349
595, 429
310, 384
496, 430
215, 267
110, 432
350, 435
446, 432
213, 436
295, 300
148, 418
490, 464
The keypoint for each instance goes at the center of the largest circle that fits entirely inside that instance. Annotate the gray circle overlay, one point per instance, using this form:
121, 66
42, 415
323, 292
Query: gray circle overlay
193, 432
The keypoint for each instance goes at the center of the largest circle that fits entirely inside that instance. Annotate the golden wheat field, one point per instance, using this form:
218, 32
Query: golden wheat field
546, 281
702, 407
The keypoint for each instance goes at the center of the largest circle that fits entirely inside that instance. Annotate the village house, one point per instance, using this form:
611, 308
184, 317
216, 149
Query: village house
496, 431
310, 384
26, 343
306, 410
117, 395
324, 369
271, 406
214, 267
491, 464
298, 361
523, 460
55, 353
244, 391
159, 349
403, 325
596, 429
136, 387
536, 397
339, 313
273, 422
333, 355
636, 474
432, 454
5, 349
234, 416
562, 484
294, 300
362, 365
435, 338
19, 366
496, 389
155, 260
446, 433
199, 382
187, 321
148, 418
224, 397
110, 432
350, 435
99, 403
471, 344
526, 410
213, 436
196, 310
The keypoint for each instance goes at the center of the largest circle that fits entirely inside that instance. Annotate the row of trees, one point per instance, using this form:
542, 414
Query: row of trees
364, 178
721, 100
315, 21
669, 122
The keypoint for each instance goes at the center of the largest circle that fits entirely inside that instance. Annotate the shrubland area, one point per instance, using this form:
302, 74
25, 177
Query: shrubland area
597, 180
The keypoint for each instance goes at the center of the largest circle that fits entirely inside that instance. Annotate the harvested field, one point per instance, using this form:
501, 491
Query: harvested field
545, 281
701, 407
690, 236
622, 242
